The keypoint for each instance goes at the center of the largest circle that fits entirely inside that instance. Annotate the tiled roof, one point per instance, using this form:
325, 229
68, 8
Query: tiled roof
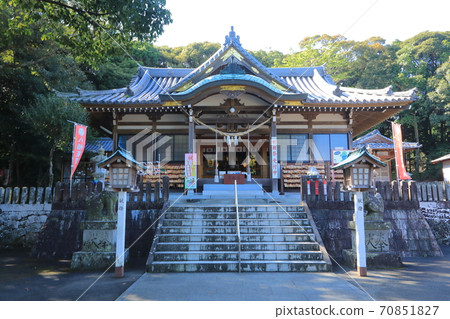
104, 142
376, 141
355, 156
147, 86
124, 154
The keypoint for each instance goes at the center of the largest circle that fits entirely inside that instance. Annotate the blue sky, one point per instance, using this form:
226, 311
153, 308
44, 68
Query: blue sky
281, 24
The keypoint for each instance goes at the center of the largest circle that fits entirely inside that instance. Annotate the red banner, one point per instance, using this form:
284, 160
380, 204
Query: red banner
79, 141
398, 148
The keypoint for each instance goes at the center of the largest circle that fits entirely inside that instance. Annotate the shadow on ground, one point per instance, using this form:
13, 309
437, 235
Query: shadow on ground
26, 279
421, 279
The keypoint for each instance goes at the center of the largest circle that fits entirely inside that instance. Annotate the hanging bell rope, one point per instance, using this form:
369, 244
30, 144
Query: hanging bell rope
232, 134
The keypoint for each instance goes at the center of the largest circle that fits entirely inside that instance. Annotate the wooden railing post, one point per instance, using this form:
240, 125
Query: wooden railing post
330, 191
156, 191
165, 190
148, 192
405, 193
2, 195
413, 196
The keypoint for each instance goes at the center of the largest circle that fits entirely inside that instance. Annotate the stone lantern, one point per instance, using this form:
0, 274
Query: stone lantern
358, 169
123, 170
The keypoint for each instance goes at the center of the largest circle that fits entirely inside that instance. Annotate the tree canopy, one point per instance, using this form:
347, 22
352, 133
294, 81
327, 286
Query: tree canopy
52, 45
97, 25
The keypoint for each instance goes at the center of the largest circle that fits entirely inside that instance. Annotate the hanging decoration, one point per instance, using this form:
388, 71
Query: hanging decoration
226, 134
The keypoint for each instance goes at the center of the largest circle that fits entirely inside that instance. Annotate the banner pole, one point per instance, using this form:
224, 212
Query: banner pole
395, 154
71, 162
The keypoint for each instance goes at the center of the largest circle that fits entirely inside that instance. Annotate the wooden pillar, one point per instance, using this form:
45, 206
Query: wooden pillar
120, 240
249, 171
191, 132
115, 135
360, 236
191, 138
350, 133
273, 160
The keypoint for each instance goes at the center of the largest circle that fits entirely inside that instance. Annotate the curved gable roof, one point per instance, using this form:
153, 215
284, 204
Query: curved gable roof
231, 50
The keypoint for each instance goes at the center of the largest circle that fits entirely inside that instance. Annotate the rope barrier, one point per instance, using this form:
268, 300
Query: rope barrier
231, 134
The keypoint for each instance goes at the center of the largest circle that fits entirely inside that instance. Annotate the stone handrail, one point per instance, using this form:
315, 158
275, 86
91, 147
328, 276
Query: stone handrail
26, 195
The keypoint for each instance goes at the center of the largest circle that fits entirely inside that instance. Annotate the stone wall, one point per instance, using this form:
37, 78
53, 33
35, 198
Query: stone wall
61, 235
20, 224
437, 215
410, 234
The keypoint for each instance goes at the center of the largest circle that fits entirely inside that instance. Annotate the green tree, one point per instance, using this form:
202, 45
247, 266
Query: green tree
29, 66
332, 51
91, 29
117, 71
268, 58
372, 64
423, 59
49, 117
190, 56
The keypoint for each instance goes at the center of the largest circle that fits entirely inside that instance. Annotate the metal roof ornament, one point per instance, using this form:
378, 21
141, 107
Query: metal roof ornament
231, 37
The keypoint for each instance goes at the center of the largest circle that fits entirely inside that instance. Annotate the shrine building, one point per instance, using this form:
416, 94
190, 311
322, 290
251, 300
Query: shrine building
230, 109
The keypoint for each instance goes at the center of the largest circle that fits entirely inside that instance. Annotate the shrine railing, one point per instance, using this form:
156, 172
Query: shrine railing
320, 193
150, 195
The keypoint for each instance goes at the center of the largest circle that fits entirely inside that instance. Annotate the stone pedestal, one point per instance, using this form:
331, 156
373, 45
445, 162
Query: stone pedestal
377, 244
99, 246
99, 234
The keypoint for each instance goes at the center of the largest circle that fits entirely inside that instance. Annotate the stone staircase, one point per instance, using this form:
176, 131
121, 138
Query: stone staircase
203, 238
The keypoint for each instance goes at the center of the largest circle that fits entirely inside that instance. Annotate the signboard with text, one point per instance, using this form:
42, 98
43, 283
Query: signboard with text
190, 170
275, 168
339, 155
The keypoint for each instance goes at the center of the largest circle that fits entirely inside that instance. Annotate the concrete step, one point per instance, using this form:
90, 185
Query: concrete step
196, 238
232, 230
233, 246
207, 238
242, 208
247, 266
234, 255
232, 215
227, 191
232, 222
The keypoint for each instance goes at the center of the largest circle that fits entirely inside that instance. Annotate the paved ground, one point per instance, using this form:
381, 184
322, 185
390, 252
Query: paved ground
22, 278
422, 278
25, 279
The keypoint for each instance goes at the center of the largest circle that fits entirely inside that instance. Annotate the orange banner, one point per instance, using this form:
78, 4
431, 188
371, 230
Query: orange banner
398, 148
79, 141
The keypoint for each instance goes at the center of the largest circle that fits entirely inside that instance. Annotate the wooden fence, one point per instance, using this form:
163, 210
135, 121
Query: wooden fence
26, 195
316, 190
150, 195
433, 191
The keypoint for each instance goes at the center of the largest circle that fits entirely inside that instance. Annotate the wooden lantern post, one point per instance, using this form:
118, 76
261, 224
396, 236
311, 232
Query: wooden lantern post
358, 169
122, 169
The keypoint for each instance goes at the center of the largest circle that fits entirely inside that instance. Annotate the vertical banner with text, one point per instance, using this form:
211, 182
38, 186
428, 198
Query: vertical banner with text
274, 153
79, 141
398, 148
190, 170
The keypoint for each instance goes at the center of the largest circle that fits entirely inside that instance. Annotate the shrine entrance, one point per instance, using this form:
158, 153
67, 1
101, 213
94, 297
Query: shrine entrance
231, 159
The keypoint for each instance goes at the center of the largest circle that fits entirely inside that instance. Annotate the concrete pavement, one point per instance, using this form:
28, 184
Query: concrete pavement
422, 278
242, 287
